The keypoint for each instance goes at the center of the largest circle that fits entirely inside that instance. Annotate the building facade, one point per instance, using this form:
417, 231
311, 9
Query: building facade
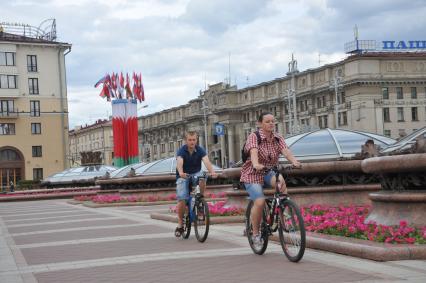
33, 106
96, 137
377, 92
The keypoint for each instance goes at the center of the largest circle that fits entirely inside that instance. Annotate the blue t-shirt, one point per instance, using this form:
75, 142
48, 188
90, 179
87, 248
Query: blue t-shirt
191, 162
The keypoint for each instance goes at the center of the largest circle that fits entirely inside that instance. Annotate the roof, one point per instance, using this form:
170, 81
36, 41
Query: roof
4, 36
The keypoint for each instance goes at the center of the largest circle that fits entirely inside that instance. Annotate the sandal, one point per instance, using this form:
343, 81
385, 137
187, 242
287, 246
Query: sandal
179, 231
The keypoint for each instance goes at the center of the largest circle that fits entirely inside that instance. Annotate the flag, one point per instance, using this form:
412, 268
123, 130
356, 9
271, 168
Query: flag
136, 89
102, 80
113, 82
128, 90
106, 91
120, 84
141, 86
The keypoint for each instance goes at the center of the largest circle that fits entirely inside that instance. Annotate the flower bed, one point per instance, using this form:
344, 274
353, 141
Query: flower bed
219, 209
116, 198
48, 194
348, 221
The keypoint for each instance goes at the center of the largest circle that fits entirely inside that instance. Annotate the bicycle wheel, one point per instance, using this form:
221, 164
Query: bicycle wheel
263, 229
202, 220
186, 224
291, 230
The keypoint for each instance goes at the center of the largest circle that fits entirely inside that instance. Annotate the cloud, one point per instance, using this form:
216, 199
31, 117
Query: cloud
181, 45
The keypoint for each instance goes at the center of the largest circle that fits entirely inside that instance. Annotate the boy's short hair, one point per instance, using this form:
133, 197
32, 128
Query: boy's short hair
191, 133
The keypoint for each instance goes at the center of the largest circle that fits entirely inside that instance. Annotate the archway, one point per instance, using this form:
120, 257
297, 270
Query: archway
12, 166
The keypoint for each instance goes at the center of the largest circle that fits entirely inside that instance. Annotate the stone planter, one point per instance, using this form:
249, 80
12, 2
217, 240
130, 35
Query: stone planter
403, 195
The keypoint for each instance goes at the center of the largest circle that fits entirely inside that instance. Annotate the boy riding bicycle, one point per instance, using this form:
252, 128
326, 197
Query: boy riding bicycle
264, 153
189, 158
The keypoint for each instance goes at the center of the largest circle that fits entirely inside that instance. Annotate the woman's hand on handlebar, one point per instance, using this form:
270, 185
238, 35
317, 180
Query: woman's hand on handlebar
296, 164
183, 175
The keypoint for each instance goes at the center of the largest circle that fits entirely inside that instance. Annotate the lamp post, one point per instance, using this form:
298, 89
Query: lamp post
336, 81
291, 94
142, 147
205, 108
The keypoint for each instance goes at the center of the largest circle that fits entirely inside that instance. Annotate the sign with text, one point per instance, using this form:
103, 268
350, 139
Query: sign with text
219, 129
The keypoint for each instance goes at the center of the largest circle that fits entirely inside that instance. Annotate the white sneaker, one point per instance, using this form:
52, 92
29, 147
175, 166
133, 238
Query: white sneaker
257, 241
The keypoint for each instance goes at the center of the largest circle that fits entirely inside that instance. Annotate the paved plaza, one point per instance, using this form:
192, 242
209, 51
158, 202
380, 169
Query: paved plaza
53, 241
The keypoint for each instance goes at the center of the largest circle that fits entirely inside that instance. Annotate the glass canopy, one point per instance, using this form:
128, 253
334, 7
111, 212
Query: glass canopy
165, 166
79, 173
332, 143
406, 142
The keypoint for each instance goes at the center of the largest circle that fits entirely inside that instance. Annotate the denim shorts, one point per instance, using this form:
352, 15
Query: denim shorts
182, 186
255, 191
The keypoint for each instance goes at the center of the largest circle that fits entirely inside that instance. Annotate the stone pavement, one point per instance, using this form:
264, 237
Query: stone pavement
52, 241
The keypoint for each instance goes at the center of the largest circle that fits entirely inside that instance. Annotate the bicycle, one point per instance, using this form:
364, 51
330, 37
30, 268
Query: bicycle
282, 214
197, 212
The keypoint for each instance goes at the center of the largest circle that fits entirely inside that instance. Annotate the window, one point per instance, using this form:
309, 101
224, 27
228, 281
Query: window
399, 94
37, 174
6, 107
36, 128
37, 151
155, 149
341, 98
33, 85
7, 58
387, 133
318, 102
385, 92
414, 115
35, 108
32, 63
7, 81
400, 114
7, 129
386, 115
171, 146
323, 121
162, 148
342, 118
179, 143
413, 93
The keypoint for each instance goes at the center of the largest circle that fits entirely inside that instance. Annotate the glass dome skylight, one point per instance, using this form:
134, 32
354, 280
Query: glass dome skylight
332, 143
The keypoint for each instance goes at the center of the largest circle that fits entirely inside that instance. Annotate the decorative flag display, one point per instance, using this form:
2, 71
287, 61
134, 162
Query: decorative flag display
124, 113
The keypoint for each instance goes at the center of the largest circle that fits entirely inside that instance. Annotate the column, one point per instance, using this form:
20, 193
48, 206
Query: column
201, 140
223, 151
231, 156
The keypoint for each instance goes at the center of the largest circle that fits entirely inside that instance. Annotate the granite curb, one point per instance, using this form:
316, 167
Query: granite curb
336, 244
147, 203
45, 196
213, 220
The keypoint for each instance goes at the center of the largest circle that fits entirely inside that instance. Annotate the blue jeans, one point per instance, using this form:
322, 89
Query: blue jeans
182, 185
255, 191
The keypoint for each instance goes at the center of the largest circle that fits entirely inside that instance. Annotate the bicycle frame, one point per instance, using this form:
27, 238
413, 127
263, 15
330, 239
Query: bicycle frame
272, 204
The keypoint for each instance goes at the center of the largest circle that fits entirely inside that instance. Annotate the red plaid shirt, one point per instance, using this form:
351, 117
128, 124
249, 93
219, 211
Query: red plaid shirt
269, 150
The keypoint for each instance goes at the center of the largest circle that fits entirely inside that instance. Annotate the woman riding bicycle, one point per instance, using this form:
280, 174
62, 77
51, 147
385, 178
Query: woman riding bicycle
264, 154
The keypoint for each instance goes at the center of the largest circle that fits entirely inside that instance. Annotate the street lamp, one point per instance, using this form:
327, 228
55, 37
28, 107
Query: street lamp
291, 94
205, 108
336, 81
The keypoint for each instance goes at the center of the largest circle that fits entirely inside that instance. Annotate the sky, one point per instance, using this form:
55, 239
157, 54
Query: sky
182, 46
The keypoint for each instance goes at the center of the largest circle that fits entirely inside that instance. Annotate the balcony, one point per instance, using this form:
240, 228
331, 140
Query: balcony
9, 115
